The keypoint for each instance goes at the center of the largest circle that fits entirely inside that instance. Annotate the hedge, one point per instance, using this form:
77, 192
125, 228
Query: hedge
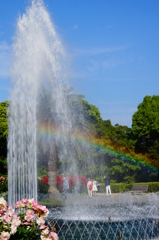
124, 187
153, 186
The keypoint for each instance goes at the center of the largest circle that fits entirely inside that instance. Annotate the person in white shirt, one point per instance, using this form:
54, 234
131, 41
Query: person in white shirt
89, 187
94, 189
107, 184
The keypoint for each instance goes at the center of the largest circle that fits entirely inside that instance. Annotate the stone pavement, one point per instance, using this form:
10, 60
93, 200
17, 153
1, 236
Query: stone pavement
117, 207
113, 199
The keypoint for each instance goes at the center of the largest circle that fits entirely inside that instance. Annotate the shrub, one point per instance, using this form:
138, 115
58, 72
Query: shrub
42, 172
117, 187
153, 186
42, 185
76, 183
121, 187
124, 187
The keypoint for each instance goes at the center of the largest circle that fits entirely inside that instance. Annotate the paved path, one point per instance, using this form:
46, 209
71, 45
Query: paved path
103, 199
123, 206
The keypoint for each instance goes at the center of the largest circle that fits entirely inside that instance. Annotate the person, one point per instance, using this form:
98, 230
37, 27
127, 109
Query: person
94, 187
89, 187
98, 186
107, 184
65, 187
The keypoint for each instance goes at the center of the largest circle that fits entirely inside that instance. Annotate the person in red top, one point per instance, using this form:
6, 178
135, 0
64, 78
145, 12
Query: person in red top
89, 187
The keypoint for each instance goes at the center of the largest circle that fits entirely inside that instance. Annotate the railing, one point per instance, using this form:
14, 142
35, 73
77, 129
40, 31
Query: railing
119, 216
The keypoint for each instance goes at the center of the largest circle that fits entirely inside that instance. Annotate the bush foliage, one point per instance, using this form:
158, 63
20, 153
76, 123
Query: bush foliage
124, 187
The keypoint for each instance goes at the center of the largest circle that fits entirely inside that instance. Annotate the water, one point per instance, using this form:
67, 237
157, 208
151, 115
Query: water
138, 229
42, 125
36, 61
101, 217
43, 119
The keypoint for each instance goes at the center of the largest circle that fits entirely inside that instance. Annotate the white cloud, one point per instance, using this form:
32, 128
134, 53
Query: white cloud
142, 59
4, 60
105, 62
110, 63
97, 50
109, 26
77, 75
93, 65
75, 26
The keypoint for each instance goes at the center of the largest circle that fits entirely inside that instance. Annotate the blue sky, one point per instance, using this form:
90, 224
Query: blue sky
112, 47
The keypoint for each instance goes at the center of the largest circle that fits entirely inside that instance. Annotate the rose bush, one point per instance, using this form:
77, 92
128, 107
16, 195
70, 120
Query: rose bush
76, 183
43, 185
28, 223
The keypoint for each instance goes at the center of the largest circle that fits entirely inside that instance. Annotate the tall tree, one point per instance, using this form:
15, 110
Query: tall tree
3, 135
145, 126
45, 115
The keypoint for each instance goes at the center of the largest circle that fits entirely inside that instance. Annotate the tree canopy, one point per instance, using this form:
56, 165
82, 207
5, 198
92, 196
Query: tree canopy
3, 135
145, 126
141, 141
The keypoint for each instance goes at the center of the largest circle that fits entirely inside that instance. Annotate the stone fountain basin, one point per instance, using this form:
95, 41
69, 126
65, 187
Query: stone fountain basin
107, 217
117, 207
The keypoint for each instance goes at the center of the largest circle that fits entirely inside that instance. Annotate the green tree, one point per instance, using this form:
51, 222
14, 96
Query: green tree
145, 126
104, 128
91, 112
46, 115
3, 135
122, 171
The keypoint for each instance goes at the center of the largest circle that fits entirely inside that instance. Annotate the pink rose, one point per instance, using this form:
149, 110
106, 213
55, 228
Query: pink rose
7, 219
19, 204
1, 213
29, 215
43, 227
25, 201
45, 231
40, 221
4, 236
30, 203
13, 229
53, 235
41, 210
35, 204
3, 204
10, 211
16, 220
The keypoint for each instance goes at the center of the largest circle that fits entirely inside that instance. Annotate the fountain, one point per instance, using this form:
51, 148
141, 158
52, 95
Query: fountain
37, 62
43, 128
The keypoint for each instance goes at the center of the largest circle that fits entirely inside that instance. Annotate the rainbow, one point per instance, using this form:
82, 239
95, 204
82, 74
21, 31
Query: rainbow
100, 145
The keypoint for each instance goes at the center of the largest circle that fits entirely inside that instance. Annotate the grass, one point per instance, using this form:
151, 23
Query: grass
47, 201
